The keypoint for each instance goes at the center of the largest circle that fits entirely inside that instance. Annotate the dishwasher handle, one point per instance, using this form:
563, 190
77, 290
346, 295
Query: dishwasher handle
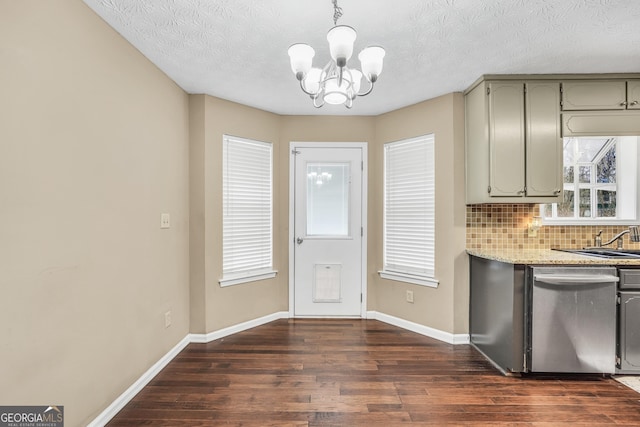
575, 279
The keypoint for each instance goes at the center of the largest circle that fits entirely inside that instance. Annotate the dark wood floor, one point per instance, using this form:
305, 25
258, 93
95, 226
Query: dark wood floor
361, 373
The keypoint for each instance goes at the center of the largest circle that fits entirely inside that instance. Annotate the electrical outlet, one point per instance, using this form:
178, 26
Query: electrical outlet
167, 319
410, 296
165, 220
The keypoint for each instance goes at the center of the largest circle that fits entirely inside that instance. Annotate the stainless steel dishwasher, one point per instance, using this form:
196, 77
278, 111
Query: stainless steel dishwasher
571, 319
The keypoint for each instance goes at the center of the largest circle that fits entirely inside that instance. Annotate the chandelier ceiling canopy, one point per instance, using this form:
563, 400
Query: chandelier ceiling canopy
336, 83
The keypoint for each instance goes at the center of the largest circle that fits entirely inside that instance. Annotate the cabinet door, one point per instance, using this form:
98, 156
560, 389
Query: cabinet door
594, 95
629, 333
633, 94
506, 139
543, 141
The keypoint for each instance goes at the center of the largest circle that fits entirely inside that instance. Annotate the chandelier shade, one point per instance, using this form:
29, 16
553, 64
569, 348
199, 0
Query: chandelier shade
341, 39
336, 83
301, 56
371, 62
312, 80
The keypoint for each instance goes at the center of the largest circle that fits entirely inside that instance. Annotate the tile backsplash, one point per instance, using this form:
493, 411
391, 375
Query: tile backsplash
505, 226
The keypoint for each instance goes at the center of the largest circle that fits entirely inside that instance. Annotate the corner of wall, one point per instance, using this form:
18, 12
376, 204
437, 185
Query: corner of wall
197, 289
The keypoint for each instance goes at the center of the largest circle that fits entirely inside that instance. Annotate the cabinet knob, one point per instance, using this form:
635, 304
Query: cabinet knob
623, 104
634, 103
557, 191
521, 192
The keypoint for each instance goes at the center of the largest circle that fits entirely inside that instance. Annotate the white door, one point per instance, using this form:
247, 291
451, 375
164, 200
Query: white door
327, 244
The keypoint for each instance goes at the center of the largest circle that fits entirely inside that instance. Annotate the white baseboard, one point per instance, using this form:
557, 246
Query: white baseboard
136, 387
420, 329
221, 333
130, 393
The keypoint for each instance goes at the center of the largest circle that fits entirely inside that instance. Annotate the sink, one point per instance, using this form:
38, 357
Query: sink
629, 251
606, 253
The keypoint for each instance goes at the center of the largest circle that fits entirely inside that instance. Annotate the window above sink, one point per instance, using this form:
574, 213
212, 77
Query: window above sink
600, 182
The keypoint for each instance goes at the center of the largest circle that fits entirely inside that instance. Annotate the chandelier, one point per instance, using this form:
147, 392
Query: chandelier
336, 83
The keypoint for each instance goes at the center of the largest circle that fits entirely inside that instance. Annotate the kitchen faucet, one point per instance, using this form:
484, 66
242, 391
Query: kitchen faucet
634, 236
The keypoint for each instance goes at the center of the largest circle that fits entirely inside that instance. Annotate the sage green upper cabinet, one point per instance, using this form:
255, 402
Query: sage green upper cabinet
582, 95
601, 107
633, 94
513, 145
543, 140
506, 139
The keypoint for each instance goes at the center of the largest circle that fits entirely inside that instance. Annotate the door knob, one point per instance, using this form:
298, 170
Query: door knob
299, 240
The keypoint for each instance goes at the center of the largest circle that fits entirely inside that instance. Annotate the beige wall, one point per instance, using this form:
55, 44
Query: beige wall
444, 308
213, 307
228, 306
95, 143
93, 147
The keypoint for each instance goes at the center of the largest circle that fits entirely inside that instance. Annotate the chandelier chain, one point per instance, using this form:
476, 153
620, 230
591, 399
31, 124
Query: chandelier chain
337, 12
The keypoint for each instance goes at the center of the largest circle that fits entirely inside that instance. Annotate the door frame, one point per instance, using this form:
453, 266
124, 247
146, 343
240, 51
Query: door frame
365, 185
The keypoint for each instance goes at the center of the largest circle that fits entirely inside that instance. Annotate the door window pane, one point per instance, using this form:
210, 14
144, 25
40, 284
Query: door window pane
328, 199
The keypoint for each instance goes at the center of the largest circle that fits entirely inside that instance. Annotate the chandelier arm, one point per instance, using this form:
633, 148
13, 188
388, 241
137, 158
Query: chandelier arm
327, 71
368, 91
315, 98
304, 89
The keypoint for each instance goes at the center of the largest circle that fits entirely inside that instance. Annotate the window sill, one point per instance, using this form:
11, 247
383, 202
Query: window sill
416, 280
230, 281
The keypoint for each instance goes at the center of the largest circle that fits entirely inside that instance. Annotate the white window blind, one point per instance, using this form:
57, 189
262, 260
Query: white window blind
409, 209
247, 210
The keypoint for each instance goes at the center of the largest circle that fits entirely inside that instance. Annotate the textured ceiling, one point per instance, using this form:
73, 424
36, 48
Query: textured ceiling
237, 49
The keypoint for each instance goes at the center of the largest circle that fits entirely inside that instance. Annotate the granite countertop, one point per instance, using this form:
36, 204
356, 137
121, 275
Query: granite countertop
546, 256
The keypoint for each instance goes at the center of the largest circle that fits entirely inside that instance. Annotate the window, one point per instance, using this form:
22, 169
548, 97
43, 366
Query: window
600, 182
328, 199
409, 211
247, 243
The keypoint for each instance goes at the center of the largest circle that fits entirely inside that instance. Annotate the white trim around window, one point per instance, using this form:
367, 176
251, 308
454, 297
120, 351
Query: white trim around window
626, 183
409, 211
247, 211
